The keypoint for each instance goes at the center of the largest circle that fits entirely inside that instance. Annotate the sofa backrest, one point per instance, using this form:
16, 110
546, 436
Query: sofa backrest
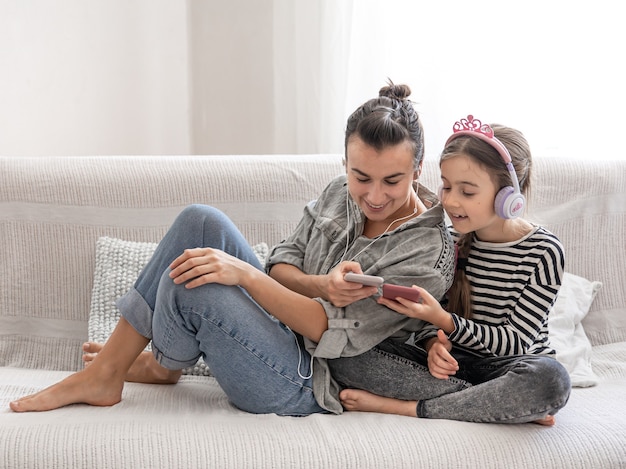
53, 209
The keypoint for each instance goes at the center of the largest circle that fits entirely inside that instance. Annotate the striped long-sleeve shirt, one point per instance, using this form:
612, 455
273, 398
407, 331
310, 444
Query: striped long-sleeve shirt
513, 288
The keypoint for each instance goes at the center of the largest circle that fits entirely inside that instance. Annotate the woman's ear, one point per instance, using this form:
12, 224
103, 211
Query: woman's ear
417, 173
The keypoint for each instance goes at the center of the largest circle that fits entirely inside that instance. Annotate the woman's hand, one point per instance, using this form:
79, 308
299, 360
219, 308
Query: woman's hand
441, 363
428, 309
206, 265
341, 292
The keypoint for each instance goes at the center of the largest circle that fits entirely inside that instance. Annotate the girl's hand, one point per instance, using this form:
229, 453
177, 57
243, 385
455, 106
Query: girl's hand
341, 292
206, 265
441, 363
426, 309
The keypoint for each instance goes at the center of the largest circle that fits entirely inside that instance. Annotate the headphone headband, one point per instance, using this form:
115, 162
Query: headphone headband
509, 201
476, 128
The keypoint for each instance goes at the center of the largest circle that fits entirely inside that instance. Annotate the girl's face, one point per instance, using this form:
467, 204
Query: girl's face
380, 182
468, 196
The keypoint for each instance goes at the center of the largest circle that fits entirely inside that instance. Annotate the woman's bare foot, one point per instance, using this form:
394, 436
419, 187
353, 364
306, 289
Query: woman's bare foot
145, 368
548, 421
364, 401
85, 387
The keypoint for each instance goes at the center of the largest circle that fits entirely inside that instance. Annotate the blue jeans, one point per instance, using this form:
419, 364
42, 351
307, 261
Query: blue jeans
515, 389
260, 364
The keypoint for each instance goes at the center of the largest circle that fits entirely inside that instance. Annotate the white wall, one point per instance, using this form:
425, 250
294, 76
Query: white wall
93, 77
231, 82
278, 76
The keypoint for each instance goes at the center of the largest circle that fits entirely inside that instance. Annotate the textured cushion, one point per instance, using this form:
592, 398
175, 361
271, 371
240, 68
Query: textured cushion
567, 335
118, 264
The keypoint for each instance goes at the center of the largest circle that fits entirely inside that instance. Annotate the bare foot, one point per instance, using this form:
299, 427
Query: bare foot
548, 421
84, 387
364, 401
145, 368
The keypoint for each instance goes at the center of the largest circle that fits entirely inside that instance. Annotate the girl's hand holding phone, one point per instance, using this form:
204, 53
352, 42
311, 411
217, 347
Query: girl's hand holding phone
427, 308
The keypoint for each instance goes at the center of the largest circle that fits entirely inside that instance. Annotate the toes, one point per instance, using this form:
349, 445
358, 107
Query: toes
15, 406
92, 347
548, 421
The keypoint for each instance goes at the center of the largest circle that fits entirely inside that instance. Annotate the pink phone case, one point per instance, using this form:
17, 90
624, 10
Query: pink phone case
394, 291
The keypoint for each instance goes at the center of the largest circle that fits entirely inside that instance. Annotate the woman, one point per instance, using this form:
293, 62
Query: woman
267, 338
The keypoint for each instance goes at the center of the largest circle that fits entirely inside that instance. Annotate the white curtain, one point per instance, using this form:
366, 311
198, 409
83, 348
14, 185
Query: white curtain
311, 42
554, 69
282, 76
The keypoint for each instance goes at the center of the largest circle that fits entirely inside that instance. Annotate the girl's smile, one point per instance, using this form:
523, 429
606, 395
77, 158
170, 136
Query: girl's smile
468, 196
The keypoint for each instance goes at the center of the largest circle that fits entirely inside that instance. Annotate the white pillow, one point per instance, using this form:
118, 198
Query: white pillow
118, 264
567, 335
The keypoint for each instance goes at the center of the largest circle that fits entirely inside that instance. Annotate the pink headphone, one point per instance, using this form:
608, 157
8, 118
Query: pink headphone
510, 201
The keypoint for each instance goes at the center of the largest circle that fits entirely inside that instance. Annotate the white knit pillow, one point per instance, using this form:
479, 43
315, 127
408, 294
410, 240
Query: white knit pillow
118, 264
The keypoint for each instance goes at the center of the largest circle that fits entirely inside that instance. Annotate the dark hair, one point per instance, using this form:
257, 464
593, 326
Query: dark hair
459, 295
388, 120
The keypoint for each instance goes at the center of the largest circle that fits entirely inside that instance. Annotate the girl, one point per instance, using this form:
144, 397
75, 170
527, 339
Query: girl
493, 334
266, 338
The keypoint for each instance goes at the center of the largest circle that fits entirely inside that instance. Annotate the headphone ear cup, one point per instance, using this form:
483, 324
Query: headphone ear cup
509, 204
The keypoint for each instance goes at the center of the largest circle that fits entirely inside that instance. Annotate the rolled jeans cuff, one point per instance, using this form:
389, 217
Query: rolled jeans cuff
136, 311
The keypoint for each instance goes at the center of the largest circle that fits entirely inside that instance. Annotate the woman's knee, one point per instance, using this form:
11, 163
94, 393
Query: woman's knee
198, 214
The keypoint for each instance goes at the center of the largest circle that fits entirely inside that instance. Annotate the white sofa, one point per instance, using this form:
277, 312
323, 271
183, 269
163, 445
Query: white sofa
53, 210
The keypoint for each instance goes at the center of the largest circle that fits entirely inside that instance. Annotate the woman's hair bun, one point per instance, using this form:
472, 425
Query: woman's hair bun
399, 92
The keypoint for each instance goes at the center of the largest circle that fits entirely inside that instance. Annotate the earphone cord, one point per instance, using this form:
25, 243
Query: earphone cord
342, 257
345, 251
300, 358
376, 238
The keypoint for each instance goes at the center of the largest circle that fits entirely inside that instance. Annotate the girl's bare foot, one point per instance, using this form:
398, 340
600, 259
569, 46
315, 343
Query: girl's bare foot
85, 387
548, 421
145, 368
364, 401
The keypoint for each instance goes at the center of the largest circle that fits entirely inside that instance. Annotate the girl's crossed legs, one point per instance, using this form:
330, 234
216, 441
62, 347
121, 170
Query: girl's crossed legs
514, 389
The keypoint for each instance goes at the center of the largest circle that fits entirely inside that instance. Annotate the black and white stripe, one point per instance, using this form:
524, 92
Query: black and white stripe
514, 286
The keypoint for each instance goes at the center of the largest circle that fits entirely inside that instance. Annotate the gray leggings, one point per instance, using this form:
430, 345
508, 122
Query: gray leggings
513, 389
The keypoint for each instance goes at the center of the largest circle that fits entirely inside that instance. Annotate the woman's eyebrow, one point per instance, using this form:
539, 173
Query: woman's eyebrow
389, 176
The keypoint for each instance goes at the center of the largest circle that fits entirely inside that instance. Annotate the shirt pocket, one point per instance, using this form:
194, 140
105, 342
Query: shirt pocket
330, 229
326, 245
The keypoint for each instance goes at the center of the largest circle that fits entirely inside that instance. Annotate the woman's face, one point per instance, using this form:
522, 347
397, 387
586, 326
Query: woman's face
468, 196
380, 182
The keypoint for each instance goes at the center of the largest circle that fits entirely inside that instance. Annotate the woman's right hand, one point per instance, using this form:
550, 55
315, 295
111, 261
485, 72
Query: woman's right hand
198, 266
341, 292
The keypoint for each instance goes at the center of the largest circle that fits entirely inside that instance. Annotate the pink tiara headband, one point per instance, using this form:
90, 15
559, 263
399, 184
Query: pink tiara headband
476, 128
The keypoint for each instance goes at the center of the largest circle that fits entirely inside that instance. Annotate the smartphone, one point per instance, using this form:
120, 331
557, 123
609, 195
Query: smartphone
394, 291
364, 279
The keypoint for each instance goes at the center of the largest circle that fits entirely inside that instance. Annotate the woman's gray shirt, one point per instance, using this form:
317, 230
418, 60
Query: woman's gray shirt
419, 252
